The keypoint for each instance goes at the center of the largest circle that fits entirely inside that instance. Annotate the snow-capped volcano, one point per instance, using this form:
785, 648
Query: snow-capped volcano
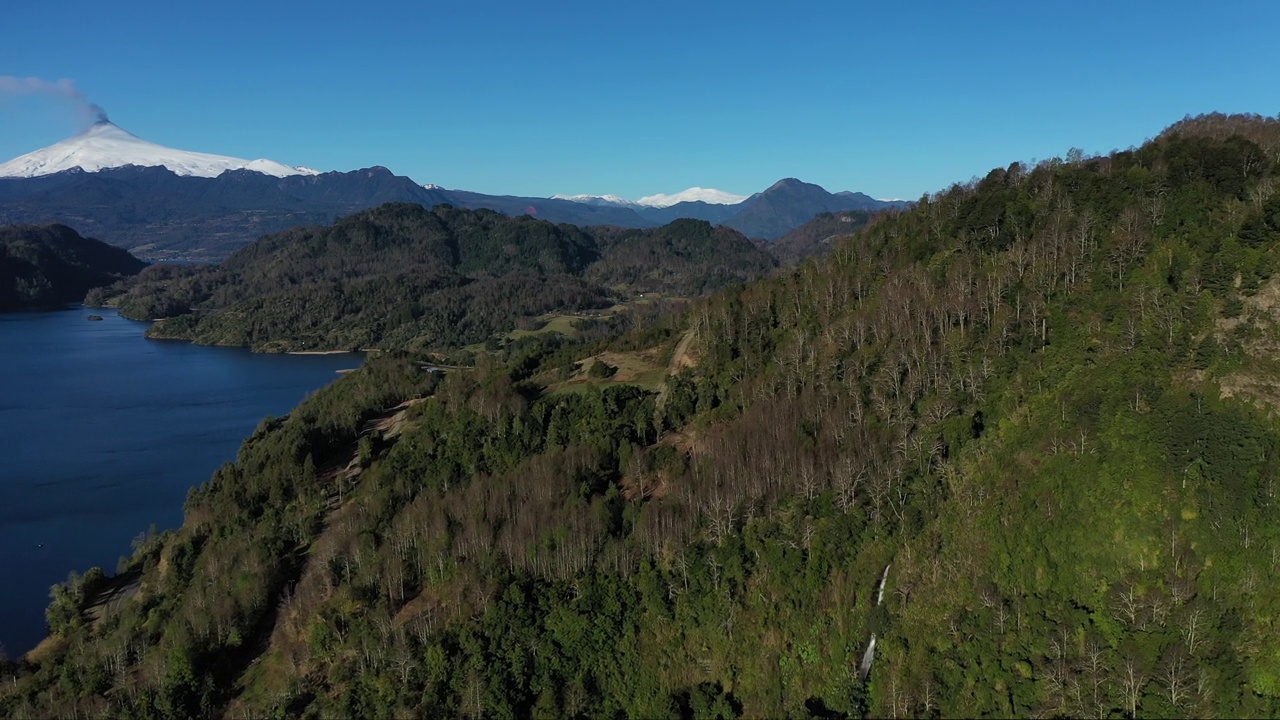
106, 145
710, 196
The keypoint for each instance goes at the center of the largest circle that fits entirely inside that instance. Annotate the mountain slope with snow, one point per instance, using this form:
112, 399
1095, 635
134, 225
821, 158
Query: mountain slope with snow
769, 214
599, 200
710, 196
106, 145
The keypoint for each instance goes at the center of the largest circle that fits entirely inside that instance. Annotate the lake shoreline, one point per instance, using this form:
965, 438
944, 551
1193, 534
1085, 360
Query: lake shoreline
146, 421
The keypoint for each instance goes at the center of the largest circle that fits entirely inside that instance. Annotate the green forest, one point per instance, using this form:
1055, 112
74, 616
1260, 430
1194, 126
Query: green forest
401, 276
1023, 435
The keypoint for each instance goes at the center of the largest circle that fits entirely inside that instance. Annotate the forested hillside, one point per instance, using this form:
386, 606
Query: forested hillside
816, 237
1039, 406
43, 266
684, 257
402, 276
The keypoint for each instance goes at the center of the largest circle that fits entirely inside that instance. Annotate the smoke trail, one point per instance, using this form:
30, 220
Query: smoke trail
64, 88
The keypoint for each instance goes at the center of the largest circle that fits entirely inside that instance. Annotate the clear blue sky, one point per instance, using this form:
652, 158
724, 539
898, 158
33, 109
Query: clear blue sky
893, 99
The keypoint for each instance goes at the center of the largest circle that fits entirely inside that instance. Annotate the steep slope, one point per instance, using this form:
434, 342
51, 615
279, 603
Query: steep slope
993, 432
46, 266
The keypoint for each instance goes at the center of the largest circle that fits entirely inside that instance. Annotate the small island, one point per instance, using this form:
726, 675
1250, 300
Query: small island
93, 318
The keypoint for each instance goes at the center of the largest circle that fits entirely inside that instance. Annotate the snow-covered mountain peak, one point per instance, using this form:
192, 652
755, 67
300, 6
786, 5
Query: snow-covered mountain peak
108, 130
711, 196
694, 194
613, 200
107, 145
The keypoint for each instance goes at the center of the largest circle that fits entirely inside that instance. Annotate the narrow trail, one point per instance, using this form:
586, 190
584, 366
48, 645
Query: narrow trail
679, 361
679, 358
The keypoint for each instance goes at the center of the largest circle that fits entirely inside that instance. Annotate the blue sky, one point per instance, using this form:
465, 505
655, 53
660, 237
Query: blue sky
893, 99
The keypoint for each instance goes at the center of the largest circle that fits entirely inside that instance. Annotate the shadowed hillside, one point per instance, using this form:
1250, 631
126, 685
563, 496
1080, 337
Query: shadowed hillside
47, 266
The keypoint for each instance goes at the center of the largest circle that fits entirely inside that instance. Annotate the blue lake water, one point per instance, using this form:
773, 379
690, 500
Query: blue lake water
102, 432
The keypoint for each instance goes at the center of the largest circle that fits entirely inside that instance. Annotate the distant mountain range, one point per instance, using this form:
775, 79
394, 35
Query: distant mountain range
784, 206
167, 204
710, 196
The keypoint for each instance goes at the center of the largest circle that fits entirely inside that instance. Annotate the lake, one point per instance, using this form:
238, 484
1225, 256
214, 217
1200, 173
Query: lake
102, 432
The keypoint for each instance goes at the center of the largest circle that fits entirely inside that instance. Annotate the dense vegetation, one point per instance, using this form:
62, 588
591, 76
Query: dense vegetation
402, 276
816, 237
684, 257
43, 266
1041, 404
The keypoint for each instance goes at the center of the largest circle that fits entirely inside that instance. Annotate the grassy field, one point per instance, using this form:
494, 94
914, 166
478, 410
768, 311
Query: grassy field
646, 368
562, 324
